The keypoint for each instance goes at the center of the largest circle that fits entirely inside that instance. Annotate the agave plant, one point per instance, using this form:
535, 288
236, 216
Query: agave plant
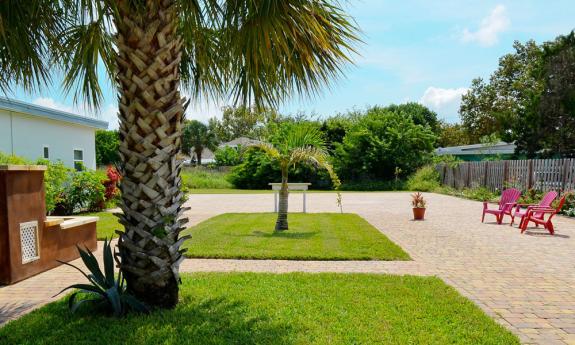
104, 288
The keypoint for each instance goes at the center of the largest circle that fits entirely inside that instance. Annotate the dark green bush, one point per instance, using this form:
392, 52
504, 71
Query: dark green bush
107, 147
257, 171
392, 185
379, 144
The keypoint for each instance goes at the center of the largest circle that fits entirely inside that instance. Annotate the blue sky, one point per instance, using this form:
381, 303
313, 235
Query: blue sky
422, 51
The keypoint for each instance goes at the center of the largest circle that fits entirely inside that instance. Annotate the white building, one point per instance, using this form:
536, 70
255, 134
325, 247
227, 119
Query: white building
33, 132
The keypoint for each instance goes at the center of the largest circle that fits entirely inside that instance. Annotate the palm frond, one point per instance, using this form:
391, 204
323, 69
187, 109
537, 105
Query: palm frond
29, 32
261, 52
268, 148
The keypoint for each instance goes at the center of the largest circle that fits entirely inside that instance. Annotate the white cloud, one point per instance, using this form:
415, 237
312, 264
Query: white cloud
491, 26
444, 101
107, 113
51, 103
201, 111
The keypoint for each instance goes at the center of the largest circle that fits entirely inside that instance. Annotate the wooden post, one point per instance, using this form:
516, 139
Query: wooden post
505, 172
486, 174
468, 182
529, 174
564, 174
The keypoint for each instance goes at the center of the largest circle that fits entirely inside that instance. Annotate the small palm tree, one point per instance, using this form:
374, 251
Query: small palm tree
196, 137
301, 144
248, 51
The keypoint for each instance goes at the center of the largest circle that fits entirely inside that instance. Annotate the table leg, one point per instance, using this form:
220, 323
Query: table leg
276, 202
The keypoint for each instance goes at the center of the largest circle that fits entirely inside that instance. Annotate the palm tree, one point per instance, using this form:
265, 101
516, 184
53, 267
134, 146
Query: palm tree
299, 144
250, 51
196, 137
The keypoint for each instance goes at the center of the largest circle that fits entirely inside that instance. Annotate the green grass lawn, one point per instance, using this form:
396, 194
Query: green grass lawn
312, 236
296, 308
107, 224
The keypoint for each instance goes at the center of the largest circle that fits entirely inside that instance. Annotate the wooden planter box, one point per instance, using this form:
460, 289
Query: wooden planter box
30, 243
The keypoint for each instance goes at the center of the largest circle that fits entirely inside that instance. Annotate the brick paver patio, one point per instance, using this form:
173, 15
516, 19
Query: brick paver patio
525, 282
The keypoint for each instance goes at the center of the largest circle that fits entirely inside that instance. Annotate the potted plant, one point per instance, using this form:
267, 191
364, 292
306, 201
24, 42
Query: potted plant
418, 204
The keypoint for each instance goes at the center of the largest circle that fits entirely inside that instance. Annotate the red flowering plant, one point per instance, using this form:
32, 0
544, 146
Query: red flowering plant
111, 184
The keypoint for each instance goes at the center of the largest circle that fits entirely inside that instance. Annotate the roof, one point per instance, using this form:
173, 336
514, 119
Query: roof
243, 141
52, 114
477, 149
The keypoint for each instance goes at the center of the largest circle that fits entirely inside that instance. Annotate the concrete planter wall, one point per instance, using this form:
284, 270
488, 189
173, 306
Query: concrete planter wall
30, 242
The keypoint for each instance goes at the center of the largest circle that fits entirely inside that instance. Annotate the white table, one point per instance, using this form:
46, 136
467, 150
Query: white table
291, 186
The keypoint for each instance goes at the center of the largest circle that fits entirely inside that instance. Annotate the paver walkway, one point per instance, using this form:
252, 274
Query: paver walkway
526, 282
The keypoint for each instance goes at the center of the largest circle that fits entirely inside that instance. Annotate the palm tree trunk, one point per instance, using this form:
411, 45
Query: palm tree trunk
199, 156
150, 114
282, 221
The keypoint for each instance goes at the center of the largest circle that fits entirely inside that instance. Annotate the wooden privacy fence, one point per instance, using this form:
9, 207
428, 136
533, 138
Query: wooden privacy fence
539, 174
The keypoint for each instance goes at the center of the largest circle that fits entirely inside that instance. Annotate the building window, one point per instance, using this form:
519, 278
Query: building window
79, 160
46, 152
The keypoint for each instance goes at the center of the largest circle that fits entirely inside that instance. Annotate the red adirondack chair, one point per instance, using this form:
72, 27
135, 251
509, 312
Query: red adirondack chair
522, 209
530, 217
508, 200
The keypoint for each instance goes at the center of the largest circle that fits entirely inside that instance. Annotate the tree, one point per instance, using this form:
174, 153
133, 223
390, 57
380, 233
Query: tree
420, 114
253, 52
107, 145
527, 100
196, 137
296, 144
504, 102
452, 134
556, 105
335, 128
243, 121
380, 143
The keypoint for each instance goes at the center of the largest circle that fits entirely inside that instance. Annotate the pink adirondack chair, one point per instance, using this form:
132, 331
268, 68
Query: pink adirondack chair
508, 200
522, 209
542, 221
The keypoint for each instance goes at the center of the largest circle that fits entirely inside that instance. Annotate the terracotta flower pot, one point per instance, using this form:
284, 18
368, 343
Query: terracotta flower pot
418, 213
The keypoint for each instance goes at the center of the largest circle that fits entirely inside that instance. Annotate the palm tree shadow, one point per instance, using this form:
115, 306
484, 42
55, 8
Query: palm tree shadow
285, 234
212, 321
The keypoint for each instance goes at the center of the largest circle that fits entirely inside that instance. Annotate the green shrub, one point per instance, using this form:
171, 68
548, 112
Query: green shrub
82, 191
379, 144
6, 159
55, 178
107, 147
227, 156
479, 194
257, 171
425, 179
201, 178
392, 185
569, 206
